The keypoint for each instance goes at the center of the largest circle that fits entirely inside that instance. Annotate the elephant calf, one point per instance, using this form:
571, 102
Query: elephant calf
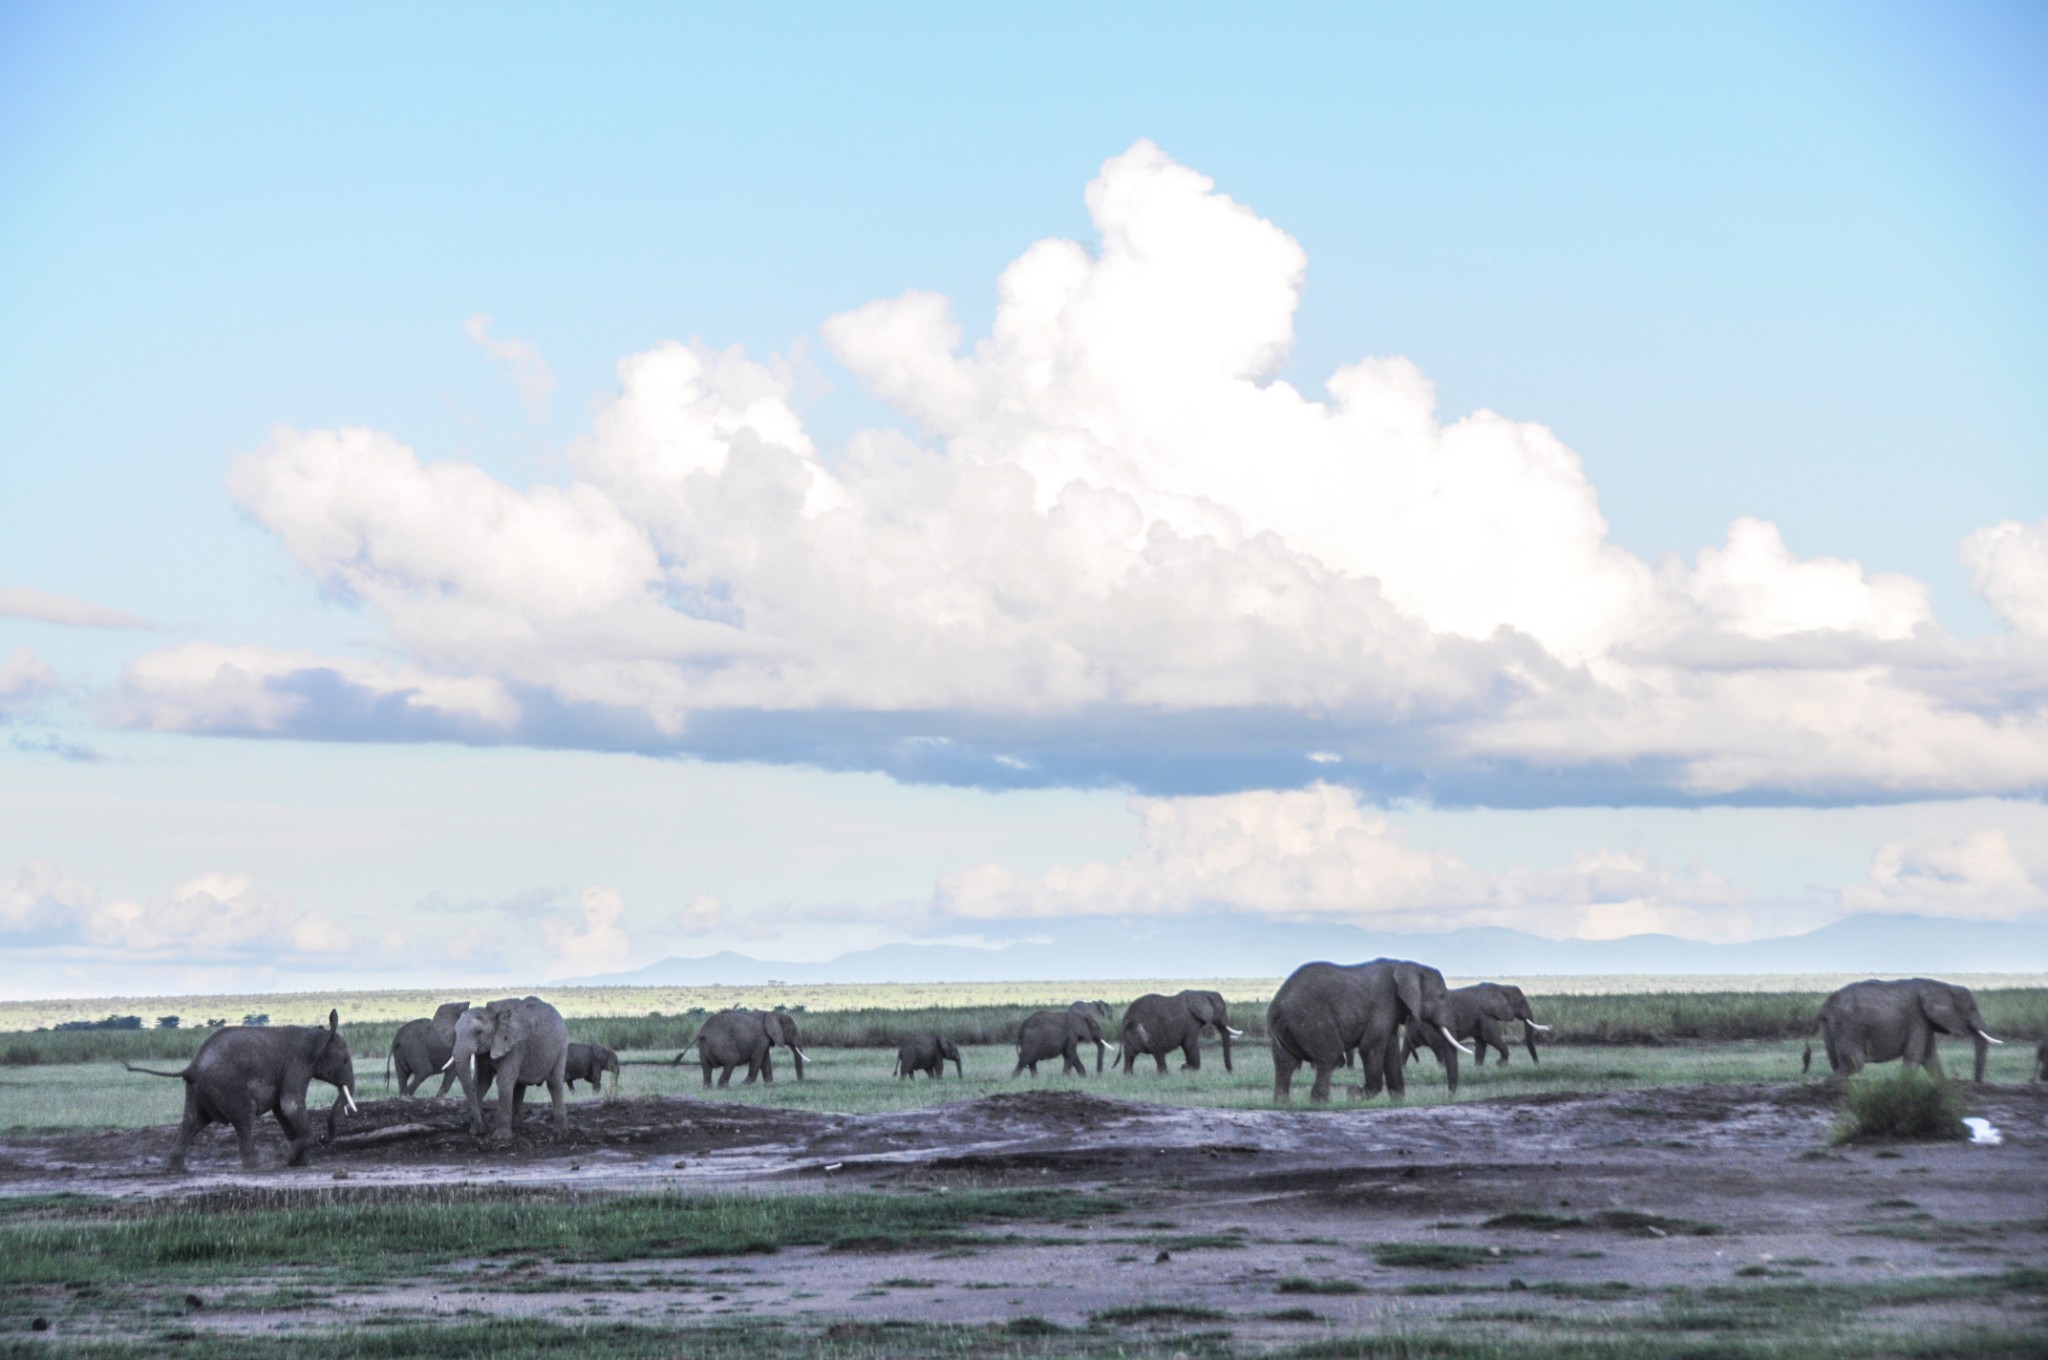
422, 1047
2041, 1062
928, 1053
588, 1062
242, 1073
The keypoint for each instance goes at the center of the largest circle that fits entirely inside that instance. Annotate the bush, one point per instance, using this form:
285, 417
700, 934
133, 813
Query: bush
22, 1055
167, 1022
1906, 1103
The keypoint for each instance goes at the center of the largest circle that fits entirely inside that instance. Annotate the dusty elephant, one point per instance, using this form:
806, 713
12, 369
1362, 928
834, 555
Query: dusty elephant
1867, 1022
589, 1062
421, 1048
1477, 1013
1158, 1025
1325, 1009
242, 1073
928, 1053
514, 1043
1048, 1034
734, 1039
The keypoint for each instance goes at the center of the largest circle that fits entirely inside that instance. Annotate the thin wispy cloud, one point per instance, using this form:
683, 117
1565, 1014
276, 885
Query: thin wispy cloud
522, 360
46, 606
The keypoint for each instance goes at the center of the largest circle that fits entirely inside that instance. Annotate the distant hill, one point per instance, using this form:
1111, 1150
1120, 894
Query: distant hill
1235, 946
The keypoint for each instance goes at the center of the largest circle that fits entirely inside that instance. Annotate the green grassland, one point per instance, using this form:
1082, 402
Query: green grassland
57, 1096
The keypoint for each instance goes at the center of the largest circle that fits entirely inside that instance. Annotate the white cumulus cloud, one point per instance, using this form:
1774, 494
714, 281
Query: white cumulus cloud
1978, 876
1115, 547
530, 373
596, 943
216, 915
26, 680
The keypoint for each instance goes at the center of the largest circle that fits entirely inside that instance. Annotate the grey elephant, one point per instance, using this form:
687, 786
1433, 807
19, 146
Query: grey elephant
1477, 1013
2041, 1062
1048, 1034
734, 1039
929, 1054
1324, 1009
589, 1062
1872, 1021
1158, 1025
513, 1044
422, 1047
242, 1073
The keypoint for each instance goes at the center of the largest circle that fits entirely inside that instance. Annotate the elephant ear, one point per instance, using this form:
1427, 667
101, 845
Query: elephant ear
1408, 982
515, 1023
1939, 1004
1202, 1005
445, 1014
1500, 1003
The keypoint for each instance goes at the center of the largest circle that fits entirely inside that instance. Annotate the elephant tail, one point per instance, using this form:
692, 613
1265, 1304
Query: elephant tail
387, 1065
152, 1072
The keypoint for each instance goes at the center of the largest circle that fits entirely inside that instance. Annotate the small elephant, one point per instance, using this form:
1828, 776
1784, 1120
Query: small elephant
421, 1048
244, 1072
514, 1043
740, 1038
928, 1053
1477, 1013
1045, 1034
588, 1062
2041, 1062
1867, 1022
1158, 1025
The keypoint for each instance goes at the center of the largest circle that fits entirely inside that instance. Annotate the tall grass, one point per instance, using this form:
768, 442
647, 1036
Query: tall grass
1900, 1102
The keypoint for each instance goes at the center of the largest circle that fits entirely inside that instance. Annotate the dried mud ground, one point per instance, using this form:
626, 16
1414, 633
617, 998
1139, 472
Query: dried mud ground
1713, 1216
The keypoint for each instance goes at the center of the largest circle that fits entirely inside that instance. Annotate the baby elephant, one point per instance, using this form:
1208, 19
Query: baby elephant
589, 1062
928, 1053
2041, 1062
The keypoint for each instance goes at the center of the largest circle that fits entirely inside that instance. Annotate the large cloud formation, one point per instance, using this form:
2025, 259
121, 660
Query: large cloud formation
1112, 548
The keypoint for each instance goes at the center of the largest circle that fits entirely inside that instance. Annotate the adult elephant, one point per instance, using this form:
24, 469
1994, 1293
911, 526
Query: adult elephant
1867, 1022
422, 1047
929, 1054
589, 1062
1324, 1009
242, 1073
514, 1043
1049, 1034
1477, 1014
1158, 1025
734, 1039
2041, 1062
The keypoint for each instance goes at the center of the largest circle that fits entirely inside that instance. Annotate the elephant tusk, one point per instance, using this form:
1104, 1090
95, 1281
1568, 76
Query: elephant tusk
348, 1100
1233, 1033
1540, 1029
450, 1063
800, 1053
1454, 1041
1989, 1040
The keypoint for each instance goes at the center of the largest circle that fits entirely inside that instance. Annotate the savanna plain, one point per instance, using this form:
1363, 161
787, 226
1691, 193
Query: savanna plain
1663, 1183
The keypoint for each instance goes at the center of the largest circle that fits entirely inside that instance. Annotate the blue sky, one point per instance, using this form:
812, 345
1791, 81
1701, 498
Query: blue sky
1782, 268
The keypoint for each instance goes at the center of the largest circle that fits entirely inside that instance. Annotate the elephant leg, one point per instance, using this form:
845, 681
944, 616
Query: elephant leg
188, 1129
1191, 1054
1071, 1059
1018, 1070
298, 1130
725, 1077
1320, 1091
508, 1110
707, 1073
1160, 1060
560, 1116
245, 1134
1285, 1065
1397, 1079
518, 1102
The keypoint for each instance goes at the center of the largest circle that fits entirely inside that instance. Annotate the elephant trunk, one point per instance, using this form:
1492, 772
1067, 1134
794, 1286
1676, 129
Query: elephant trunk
1983, 1043
1454, 1040
1227, 1034
1529, 1030
797, 1056
958, 1070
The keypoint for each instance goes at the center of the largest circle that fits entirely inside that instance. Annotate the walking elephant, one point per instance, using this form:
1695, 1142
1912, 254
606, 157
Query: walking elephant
244, 1072
514, 1043
928, 1053
1867, 1022
422, 1047
1477, 1014
1324, 1009
1158, 1025
739, 1038
1048, 1034
2041, 1062
589, 1062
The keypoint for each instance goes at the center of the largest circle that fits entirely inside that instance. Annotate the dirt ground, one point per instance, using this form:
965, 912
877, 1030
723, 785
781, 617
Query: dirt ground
1236, 1211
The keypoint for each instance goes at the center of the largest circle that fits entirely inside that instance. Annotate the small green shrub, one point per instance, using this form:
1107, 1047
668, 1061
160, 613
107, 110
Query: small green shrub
1906, 1103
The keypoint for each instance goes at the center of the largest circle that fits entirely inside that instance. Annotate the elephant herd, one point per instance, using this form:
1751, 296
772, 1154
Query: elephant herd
1325, 1016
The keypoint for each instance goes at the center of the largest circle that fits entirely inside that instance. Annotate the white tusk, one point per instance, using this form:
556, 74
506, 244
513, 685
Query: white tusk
348, 1100
1989, 1040
1540, 1029
800, 1053
1235, 1033
1454, 1041
450, 1063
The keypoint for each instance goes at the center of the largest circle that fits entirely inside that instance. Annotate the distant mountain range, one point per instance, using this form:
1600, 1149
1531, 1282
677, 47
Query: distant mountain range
1234, 946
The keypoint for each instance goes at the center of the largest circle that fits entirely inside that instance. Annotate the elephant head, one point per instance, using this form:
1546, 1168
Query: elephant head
1952, 1010
1425, 998
333, 1065
1505, 1002
949, 1049
781, 1028
1209, 1008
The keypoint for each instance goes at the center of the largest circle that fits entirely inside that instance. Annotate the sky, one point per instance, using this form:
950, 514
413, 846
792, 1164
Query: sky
505, 494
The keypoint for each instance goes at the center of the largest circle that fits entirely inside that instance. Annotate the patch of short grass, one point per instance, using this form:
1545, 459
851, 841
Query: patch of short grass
1436, 1255
1138, 1313
1303, 1284
1906, 1103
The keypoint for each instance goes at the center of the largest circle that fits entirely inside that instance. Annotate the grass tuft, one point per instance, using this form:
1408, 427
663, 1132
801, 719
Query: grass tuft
1907, 1103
